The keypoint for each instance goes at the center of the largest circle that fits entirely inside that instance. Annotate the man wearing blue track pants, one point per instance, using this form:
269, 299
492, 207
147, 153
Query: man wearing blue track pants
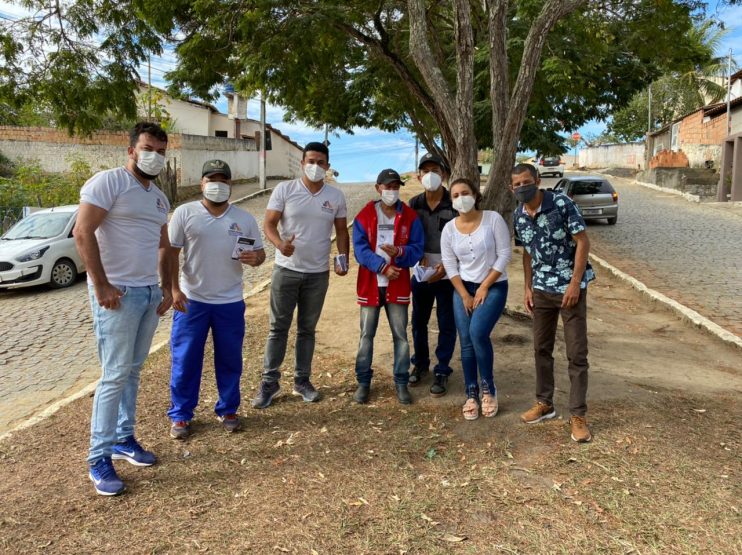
217, 238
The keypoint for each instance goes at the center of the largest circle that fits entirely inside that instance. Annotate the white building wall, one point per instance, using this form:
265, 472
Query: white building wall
628, 155
221, 122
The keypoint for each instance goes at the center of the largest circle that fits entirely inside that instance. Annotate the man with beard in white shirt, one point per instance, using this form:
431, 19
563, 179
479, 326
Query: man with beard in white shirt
299, 220
217, 238
121, 234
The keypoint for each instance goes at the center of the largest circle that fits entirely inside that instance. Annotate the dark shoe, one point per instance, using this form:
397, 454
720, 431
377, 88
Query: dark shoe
130, 451
417, 375
231, 422
361, 394
306, 390
440, 386
266, 392
403, 394
180, 430
104, 477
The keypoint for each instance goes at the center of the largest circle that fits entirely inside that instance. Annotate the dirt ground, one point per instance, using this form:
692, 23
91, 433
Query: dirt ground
661, 475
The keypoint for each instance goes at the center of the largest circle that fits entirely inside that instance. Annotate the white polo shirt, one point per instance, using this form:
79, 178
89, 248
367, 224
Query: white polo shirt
129, 236
311, 217
209, 275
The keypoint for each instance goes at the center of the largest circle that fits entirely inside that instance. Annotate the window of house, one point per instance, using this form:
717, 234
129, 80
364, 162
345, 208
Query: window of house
220, 134
675, 137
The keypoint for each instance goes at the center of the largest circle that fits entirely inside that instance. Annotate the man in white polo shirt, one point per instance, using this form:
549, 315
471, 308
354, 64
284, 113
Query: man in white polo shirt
217, 238
307, 210
121, 234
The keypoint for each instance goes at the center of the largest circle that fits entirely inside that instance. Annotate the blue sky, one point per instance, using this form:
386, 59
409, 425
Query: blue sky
360, 156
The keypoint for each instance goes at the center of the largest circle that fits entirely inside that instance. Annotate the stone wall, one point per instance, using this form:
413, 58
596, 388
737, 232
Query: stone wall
696, 181
54, 149
625, 155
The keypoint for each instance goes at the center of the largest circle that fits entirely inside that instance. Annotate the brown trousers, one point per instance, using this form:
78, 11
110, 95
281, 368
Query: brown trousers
546, 311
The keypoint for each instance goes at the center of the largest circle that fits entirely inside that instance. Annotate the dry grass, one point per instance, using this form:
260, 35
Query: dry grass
340, 478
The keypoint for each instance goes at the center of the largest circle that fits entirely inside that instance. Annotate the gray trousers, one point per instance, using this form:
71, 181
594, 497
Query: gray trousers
306, 293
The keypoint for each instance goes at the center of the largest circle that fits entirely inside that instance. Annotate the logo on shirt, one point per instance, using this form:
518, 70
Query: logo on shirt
327, 207
161, 206
234, 230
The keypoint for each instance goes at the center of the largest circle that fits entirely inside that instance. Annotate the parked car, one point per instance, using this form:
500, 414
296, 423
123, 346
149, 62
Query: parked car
40, 249
595, 196
551, 165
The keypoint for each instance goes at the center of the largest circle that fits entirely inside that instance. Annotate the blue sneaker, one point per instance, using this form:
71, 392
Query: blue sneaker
130, 451
104, 477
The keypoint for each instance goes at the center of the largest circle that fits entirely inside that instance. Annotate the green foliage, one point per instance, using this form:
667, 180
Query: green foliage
675, 94
6, 166
29, 185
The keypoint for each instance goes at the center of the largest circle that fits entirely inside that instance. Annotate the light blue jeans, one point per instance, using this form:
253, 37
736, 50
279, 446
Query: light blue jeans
397, 316
124, 337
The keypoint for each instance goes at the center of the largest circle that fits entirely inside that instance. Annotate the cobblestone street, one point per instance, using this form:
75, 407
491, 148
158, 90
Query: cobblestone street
48, 351
688, 251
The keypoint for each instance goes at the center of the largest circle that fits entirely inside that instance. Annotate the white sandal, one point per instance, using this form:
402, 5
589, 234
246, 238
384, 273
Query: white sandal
489, 405
471, 409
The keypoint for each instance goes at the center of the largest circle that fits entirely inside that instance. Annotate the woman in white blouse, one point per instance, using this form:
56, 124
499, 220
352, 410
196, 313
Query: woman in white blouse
475, 248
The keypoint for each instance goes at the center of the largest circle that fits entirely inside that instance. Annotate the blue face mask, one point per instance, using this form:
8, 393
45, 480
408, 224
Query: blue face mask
525, 193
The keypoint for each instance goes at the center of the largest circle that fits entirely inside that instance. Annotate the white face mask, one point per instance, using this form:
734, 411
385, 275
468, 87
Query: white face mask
314, 172
217, 191
464, 204
389, 197
432, 181
150, 162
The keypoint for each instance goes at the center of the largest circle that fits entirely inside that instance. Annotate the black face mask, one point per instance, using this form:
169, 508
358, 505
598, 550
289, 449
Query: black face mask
525, 193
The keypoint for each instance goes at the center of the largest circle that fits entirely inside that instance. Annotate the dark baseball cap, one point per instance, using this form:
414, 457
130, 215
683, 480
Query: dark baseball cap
212, 167
435, 159
388, 176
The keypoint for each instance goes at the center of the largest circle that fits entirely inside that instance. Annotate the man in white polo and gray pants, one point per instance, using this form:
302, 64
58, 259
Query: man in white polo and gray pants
307, 210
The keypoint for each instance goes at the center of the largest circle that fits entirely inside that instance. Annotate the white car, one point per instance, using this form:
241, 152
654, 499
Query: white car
40, 249
551, 165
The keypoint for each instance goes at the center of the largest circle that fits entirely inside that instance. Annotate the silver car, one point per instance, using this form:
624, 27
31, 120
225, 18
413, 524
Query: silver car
40, 249
594, 196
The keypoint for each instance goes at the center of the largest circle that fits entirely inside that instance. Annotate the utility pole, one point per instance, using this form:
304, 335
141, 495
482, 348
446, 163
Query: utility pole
649, 111
729, 94
417, 147
149, 87
327, 133
261, 158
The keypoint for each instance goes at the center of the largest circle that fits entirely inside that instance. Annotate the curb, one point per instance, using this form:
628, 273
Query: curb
687, 196
685, 312
90, 388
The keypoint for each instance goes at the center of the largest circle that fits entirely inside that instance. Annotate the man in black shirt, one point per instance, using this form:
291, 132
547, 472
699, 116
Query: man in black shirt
434, 209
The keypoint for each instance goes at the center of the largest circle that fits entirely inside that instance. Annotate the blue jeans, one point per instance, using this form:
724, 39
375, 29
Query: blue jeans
423, 296
188, 338
474, 335
124, 337
306, 293
397, 316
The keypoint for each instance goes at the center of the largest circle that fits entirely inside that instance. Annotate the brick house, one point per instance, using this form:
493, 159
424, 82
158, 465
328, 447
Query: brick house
694, 140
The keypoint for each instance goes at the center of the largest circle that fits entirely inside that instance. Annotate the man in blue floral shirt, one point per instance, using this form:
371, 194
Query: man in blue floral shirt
556, 273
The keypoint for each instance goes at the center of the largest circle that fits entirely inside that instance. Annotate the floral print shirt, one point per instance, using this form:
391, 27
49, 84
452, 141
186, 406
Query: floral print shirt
547, 238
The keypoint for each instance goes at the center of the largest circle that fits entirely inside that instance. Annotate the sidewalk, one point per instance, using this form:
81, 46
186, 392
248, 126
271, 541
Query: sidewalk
335, 477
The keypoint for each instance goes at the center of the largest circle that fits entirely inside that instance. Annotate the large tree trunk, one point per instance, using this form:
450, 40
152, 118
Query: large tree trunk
509, 107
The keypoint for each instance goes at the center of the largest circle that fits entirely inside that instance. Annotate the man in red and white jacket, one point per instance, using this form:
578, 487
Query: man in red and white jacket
388, 239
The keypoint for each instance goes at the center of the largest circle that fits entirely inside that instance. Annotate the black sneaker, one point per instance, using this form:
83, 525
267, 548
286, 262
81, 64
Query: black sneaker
306, 390
266, 392
440, 386
361, 394
417, 375
403, 394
